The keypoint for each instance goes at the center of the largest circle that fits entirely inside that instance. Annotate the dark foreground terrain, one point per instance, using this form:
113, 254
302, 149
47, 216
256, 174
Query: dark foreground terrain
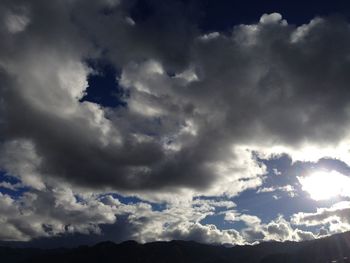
331, 249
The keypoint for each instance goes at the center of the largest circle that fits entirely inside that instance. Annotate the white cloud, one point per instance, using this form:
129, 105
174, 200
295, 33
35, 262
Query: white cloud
286, 188
249, 220
334, 219
11, 186
278, 229
50, 213
273, 18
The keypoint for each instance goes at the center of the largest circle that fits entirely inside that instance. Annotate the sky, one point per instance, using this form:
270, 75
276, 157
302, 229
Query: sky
215, 121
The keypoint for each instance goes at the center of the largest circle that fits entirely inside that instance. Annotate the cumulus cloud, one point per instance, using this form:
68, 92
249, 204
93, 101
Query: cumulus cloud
200, 111
334, 219
196, 142
278, 229
51, 213
61, 212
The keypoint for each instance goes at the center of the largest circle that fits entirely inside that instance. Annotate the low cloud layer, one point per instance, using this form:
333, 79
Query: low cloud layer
334, 219
201, 111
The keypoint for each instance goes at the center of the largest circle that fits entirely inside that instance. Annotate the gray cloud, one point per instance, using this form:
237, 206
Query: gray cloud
260, 74
199, 106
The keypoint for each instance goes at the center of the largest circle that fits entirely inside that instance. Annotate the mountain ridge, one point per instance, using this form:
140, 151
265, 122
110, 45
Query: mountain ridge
335, 248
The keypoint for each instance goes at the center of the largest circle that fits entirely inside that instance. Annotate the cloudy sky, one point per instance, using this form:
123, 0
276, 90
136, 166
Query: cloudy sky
151, 120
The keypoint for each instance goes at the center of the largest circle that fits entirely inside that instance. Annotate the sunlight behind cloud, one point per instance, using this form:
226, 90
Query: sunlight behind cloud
322, 185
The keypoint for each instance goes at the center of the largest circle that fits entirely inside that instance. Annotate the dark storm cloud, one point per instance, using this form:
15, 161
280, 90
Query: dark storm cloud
263, 84
162, 30
69, 146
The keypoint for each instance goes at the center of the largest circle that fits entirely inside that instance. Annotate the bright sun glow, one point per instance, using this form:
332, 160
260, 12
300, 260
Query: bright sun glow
323, 185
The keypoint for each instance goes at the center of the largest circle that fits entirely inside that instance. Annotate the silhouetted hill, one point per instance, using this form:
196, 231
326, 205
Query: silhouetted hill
331, 249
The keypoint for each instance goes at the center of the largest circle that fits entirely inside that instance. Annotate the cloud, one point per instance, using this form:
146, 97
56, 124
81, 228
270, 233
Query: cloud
286, 188
273, 18
51, 213
13, 187
278, 229
59, 212
16, 23
206, 234
200, 110
249, 220
199, 139
19, 159
334, 219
